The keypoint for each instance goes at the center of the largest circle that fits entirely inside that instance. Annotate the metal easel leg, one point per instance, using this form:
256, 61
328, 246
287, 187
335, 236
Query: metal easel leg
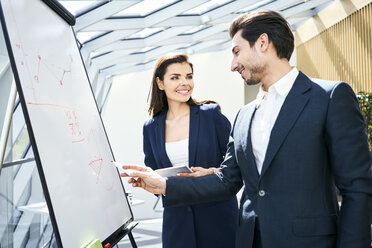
132, 241
7, 123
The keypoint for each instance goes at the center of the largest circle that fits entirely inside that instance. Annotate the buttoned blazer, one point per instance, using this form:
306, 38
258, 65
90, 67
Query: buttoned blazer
199, 225
318, 141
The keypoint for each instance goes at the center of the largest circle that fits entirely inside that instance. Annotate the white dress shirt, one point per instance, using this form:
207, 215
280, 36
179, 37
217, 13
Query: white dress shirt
268, 106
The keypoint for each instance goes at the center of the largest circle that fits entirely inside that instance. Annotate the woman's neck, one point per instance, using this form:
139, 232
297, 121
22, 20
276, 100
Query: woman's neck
177, 110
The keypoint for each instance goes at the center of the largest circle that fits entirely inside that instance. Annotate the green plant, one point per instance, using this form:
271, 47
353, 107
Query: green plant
365, 103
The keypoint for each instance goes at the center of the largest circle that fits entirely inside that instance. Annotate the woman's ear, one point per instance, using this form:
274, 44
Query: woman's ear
160, 83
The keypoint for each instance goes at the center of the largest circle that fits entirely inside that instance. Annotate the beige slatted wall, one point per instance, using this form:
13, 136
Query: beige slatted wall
342, 52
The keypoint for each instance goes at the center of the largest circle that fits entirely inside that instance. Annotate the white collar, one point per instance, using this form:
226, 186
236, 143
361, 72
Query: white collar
282, 86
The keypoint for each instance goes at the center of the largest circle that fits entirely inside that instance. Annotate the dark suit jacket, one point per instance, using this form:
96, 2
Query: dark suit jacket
201, 225
317, 141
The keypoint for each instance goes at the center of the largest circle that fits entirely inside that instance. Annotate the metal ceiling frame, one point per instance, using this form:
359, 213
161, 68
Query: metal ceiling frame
114, 52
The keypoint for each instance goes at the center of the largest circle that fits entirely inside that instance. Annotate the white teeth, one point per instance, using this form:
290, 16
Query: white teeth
182, 91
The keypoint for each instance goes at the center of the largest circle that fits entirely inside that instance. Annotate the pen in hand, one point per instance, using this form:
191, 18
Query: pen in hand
121, 169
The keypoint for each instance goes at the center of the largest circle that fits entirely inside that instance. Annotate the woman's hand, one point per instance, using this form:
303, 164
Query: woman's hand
198, 172
144, 177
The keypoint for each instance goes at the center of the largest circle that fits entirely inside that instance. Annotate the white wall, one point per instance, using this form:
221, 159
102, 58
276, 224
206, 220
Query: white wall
214, 81
126, 109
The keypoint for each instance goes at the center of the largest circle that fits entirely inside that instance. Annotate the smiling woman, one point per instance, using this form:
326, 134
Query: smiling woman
168, 73
177, 83
182, 132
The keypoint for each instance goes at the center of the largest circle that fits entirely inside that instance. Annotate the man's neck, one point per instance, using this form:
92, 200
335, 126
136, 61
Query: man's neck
274, 72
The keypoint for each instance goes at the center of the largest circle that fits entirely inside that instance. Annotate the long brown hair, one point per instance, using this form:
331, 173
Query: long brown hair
158, 99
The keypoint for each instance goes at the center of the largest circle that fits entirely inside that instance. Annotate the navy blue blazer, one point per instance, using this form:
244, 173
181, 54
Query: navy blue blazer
318, 141
201, 225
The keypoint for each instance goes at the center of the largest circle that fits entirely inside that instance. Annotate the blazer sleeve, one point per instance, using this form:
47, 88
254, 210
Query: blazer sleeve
149, 156
223, 128
351, 165
220, 186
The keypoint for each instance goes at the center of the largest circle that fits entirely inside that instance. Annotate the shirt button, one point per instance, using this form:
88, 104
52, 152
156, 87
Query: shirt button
261, 192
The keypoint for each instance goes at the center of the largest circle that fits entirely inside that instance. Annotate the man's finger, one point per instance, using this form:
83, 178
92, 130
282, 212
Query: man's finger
132, 180
184, 174
139, 174
134, 167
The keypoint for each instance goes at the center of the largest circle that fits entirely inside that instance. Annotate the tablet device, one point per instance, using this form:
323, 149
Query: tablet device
172, 171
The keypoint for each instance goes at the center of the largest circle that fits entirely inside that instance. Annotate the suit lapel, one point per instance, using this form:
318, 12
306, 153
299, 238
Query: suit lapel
160, 139
245, 127
242, 135
249, 154
193, 133
290, 111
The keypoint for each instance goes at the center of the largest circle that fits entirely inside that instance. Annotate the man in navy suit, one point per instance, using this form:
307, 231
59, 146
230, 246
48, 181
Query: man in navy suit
289, 148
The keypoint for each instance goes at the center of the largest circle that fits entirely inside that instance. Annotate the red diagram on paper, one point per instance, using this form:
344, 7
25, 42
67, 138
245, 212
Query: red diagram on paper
106, 176
39, 71
74, 126
43, 70
96, 165
58, 73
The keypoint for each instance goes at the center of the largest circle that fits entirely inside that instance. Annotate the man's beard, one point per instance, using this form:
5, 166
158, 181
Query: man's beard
256, 74
252, 81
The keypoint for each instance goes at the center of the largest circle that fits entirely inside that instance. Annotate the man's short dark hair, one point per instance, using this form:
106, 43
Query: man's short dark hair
253, 24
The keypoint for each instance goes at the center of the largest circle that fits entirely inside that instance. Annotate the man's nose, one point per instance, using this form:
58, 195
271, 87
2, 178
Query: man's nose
234, 65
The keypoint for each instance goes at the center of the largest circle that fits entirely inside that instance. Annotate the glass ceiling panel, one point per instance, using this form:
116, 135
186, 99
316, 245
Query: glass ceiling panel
208, 6
99, 54
85, 36
145, 33
146, 62
255, 6
189, 45
78, 7
144, 8
145, 50
194, 30
293, 5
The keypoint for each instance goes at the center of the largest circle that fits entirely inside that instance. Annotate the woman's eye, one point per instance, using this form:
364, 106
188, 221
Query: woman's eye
189, 77
174, 78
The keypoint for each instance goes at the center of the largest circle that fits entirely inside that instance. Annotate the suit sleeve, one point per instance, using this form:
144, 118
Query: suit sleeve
223, 128
351, 162
220, 186
149, 156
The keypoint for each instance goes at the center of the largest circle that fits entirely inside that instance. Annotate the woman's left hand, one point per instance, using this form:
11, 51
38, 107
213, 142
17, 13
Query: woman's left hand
198, 172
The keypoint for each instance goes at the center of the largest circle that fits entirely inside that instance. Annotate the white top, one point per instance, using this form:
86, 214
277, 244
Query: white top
268, 107
178, 152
